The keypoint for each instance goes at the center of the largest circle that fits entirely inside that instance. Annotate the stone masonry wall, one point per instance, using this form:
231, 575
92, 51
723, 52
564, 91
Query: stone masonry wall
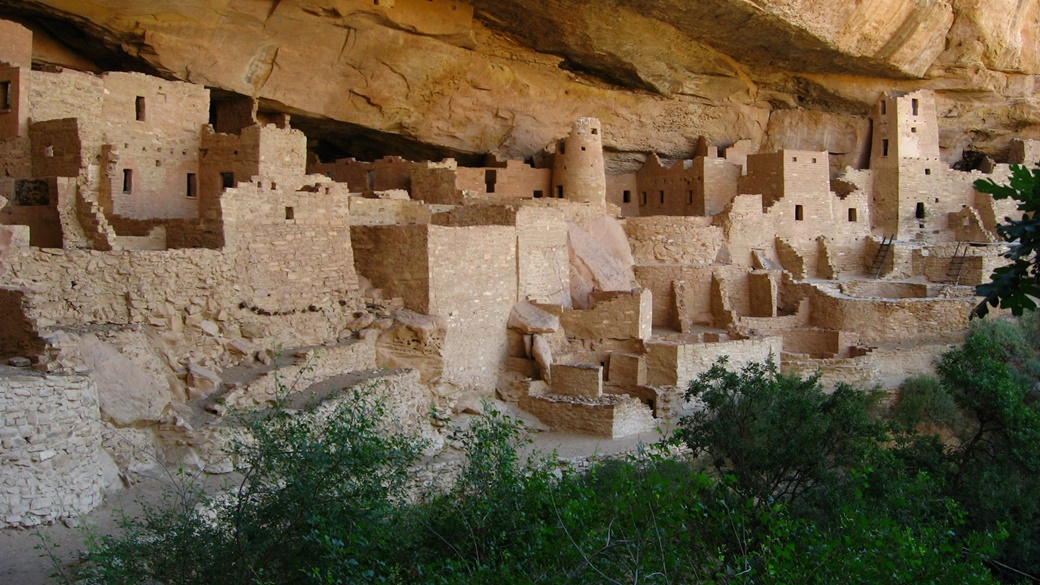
273, 264
473, 286
50, 444
395, 259
292, 250
885, 320
676, 364
608, 416
543, 265
612, 316
674, 240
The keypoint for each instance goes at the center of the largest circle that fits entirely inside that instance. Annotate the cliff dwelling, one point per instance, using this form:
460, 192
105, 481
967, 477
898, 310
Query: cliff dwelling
176, 243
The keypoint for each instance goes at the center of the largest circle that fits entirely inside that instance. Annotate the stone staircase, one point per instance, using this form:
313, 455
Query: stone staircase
91, 217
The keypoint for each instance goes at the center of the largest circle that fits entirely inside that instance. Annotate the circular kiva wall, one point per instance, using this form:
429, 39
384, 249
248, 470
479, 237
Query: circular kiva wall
885, 290
50, 443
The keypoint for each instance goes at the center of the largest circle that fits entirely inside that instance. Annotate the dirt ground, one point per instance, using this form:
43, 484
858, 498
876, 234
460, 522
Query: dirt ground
24, 562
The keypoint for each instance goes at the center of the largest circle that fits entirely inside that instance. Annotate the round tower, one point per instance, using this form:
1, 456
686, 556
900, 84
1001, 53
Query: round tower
578, 173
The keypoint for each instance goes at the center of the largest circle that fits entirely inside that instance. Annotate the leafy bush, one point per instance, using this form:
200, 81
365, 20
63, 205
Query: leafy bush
922, 398
315, 483
809, 489
779, 436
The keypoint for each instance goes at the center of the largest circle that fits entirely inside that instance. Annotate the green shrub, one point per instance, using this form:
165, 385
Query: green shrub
922, 398
316, 484
779, 436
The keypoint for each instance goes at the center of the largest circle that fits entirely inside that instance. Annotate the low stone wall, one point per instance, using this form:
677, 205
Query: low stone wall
671, 363
890, 320
609, 415
583, 380
50, 444
861, 372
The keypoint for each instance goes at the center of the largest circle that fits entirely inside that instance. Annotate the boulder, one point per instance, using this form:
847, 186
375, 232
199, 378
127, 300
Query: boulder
127, 393
202, 379
542, 352
595, 267
527, 318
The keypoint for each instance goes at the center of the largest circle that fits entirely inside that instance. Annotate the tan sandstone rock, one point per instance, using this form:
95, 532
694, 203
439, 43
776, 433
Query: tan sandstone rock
127, 394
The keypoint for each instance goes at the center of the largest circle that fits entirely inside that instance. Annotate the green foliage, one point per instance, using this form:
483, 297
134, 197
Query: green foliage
779, 436
315, 482
996, 471
924, 399
1015, 286
808, 487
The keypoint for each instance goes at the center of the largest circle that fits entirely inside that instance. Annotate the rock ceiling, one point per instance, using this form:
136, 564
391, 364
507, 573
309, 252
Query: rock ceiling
429, 78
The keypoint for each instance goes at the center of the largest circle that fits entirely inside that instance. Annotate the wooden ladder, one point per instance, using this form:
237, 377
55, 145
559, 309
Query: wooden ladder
881, 255
956, 267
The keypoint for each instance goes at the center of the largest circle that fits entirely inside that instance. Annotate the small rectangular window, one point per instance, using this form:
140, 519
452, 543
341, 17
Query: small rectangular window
798, 215
662, 196
928, 171
595, 131
644, 198
290, 213
913, 129
914, 105
626, 196
5, 95
538, 194
128, 181
192, 186
919, 212
227, 180
884, 147
139, 108
852, 214
689, 200
559, 191
884, 107
490, 179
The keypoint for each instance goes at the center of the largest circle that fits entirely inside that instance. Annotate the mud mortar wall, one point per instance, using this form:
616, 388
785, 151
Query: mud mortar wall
673, 364
50, 437
271, 264
473, 286
890, 320
543, 264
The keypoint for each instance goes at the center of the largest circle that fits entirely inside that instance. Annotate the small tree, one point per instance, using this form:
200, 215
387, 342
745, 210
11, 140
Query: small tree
778, 436
1017, 285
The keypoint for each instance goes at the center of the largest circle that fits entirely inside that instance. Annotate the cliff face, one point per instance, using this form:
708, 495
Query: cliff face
507, 76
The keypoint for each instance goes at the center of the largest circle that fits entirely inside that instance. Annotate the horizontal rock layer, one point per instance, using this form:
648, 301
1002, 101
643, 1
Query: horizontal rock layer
508, 77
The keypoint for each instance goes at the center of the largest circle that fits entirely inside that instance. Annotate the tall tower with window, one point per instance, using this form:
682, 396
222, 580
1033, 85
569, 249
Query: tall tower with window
578, 173
904, 157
